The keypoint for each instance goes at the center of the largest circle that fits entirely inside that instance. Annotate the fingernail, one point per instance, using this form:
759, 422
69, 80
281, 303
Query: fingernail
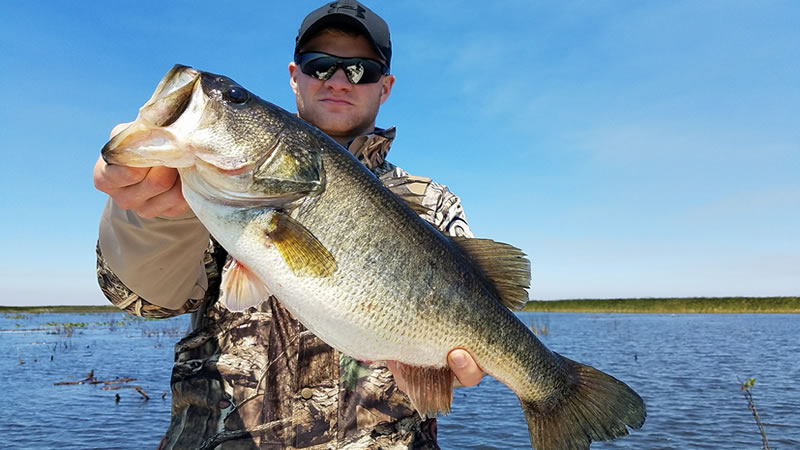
458, 359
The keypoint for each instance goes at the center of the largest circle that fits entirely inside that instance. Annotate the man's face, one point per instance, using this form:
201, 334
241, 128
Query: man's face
337, 107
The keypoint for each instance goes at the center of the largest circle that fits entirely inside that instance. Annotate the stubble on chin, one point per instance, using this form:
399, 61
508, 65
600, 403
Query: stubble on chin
338, 125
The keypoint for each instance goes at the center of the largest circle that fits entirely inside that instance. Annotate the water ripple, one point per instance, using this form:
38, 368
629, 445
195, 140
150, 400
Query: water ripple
686, 367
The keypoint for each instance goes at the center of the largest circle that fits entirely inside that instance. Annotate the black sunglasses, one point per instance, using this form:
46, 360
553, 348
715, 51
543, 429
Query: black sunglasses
322, 66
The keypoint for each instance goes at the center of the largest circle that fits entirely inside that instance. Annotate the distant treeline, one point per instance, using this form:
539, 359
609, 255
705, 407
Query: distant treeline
671, 305
60, 309
621, 305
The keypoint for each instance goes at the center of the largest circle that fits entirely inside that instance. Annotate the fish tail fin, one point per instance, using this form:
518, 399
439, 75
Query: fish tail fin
596, 407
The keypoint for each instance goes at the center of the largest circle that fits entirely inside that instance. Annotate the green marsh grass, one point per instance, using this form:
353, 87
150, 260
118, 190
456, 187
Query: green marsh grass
75, 309
622, 305
714, 305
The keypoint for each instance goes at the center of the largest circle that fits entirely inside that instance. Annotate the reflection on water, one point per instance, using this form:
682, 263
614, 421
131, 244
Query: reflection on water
686, 367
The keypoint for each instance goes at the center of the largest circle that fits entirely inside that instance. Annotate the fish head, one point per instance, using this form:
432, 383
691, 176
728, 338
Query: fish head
237, 143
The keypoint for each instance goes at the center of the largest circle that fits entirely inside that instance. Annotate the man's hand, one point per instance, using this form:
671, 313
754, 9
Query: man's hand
464, 367
461, 363
148, 191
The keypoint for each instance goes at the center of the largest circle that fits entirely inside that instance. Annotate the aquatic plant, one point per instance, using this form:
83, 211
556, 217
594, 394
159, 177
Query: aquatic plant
747, 389
66, 324
65, 328
16, 316
112, 325
540, 331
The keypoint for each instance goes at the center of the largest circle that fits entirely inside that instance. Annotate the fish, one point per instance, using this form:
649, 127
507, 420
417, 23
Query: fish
305, 221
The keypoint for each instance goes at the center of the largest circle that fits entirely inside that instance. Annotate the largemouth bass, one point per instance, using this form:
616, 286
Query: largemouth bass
306, 222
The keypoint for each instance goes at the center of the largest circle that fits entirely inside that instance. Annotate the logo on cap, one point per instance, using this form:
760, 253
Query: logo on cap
359, 11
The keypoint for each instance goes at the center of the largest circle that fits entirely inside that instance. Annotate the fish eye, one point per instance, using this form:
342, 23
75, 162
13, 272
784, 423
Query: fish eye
236, 94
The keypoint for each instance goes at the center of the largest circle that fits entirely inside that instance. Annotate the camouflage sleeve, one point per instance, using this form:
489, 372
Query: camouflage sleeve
125, 299
433, 201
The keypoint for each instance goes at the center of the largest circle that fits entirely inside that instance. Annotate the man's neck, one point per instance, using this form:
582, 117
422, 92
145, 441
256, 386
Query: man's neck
343, 140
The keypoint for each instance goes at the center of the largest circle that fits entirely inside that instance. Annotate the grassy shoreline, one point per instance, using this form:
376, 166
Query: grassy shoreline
72, 309
714, 305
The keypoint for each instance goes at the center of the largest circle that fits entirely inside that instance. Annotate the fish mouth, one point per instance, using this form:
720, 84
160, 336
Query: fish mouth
146, 142
171, 96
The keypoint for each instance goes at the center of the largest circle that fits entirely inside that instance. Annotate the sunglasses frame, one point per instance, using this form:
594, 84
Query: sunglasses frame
346, 64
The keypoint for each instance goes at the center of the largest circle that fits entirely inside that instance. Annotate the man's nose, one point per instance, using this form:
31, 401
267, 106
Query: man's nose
339, 80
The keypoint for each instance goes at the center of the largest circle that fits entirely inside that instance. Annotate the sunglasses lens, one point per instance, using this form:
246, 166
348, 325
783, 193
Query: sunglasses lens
322, 66
354, 72
364, 71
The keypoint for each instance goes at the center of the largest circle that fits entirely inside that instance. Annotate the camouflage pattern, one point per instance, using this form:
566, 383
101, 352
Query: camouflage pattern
259, 380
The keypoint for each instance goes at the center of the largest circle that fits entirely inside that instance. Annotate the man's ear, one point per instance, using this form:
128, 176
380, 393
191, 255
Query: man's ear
293, 76
386, 87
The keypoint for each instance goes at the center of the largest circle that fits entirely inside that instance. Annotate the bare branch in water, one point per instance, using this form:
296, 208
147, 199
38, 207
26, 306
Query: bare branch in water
747, 389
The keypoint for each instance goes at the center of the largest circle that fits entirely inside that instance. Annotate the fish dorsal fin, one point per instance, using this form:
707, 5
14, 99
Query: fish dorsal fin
300, 249
505, 266
240, 288
429, 388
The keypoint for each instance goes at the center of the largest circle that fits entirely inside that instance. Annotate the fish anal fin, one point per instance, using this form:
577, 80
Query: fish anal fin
300, 249
429, 388
240, 288
596, 407
505, 266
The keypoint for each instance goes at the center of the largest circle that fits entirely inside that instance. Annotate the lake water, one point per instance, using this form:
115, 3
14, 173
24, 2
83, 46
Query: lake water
687, 368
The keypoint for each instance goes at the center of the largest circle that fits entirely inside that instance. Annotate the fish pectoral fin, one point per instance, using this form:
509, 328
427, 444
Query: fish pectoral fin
240, 288
505, 266
300, 249
429, 388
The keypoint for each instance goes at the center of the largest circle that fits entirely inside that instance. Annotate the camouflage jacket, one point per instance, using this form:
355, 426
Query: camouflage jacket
259, 380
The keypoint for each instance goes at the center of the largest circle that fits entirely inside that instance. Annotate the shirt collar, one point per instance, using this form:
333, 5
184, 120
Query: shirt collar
371, 149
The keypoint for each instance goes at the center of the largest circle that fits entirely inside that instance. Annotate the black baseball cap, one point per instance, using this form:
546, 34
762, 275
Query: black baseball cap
347, 15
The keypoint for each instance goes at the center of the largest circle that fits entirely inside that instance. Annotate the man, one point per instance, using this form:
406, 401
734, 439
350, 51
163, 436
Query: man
258, 379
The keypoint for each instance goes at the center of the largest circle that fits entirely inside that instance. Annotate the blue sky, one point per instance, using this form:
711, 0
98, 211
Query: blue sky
631, 149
